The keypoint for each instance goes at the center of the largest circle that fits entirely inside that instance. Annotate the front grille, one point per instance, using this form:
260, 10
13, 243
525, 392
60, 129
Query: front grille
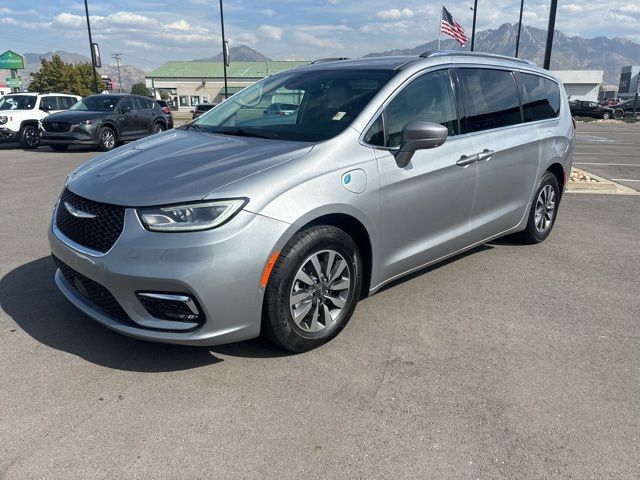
92, 291
56, 127
99, 233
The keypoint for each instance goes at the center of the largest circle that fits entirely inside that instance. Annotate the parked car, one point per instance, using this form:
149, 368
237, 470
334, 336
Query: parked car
227, 227
104, 121
625, 108
281, 109
580, 108
610, 101
21, 112
201, 108
167, 112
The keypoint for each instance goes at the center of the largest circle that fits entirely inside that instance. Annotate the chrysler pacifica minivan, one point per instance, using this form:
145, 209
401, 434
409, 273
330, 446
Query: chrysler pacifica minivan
242, 223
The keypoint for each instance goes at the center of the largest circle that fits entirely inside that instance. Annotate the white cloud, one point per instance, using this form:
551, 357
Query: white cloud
68, 20
270, 31
268, 12
395, 13
129, 18
138, 44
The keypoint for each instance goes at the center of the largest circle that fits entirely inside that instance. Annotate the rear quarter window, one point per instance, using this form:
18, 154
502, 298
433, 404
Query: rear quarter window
490, 99
540, 97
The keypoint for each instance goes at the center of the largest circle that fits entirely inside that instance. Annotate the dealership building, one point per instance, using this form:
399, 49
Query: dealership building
629, 80
188, 83
581, 84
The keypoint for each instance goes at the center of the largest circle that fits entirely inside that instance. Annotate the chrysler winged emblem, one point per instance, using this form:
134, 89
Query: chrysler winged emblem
77, 212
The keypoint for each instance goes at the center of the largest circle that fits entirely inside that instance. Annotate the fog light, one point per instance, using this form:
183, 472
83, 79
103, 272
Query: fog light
171, 306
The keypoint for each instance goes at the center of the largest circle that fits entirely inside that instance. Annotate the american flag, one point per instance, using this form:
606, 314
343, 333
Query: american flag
452, 28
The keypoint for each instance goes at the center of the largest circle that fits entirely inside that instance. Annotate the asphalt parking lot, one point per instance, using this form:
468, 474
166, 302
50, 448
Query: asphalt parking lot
610, 150
509, 362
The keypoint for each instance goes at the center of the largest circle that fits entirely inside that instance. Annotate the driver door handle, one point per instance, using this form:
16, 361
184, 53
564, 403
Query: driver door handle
486, 154
467, 160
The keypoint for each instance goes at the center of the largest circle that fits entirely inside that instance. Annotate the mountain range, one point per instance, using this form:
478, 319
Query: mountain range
241, 53
599, 53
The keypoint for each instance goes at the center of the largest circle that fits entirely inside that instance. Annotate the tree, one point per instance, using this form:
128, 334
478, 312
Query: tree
57, 76
140, 89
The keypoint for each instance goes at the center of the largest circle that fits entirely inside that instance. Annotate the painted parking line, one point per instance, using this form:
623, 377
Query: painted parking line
624, 180
609, 164
637, 155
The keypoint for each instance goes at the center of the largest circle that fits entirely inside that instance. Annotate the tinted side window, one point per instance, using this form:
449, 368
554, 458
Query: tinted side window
150, 103
490, 99
66, 103
140, 103
48, 103
126, 103
540, 97
428, 98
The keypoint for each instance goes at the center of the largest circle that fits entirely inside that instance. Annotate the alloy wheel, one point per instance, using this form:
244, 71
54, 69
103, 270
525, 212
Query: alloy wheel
31, 137
545, 208
108, 139
320, 291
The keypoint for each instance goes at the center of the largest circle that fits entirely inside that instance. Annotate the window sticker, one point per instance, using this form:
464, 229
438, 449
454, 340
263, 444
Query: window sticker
339, 115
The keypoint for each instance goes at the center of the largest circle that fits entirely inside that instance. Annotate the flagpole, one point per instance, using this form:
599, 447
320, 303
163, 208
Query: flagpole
440, 28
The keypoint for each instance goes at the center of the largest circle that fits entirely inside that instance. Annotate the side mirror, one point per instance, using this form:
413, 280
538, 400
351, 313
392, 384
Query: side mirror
419, 136
125, 109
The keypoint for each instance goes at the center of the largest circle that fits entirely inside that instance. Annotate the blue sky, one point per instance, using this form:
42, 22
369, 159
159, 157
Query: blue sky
151, 32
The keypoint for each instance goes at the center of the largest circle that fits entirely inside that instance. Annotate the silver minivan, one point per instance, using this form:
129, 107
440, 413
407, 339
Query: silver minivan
242, 223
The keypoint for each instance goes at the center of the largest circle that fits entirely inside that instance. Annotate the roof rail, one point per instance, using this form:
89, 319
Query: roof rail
464, 53
330, 59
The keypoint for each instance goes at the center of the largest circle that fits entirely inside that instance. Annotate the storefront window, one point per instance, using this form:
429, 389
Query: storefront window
184, 101
205, 99
195, 100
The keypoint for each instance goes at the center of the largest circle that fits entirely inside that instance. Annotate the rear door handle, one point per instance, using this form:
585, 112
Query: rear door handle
486, 154
467, 160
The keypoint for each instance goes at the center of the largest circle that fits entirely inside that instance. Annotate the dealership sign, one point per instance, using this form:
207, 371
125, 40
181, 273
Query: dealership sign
11, 61
14, 82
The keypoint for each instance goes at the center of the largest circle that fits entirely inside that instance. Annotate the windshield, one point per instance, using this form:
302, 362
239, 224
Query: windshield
18, 102
302, 105
97, 104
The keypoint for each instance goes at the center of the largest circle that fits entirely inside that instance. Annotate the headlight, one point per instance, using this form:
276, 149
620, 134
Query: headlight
190, 217
3, 120
85, 122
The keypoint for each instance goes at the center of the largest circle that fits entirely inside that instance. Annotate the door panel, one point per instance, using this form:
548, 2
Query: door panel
425, 207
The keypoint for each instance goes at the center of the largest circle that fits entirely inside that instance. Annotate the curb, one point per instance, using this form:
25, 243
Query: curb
602, 185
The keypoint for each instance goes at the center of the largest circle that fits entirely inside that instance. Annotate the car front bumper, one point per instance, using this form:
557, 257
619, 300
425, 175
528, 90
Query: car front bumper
8, 135
220, 269
77, 135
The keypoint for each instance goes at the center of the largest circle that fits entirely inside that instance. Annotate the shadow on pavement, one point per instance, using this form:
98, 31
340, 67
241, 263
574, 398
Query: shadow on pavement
29, 296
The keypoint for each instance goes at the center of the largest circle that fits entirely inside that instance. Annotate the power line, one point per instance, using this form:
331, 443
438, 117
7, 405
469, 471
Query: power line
118, 56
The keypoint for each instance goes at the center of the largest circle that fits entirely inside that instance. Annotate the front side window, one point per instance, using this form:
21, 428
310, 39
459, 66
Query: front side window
428, 98
300, 105
540, 97
490, 99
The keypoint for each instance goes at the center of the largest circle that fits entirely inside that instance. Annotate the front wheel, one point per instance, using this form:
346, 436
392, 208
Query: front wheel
544, 209
29, 137
313, 289
106, 139
618, 114
606, 116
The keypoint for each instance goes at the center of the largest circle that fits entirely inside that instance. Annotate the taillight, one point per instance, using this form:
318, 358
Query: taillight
166, 109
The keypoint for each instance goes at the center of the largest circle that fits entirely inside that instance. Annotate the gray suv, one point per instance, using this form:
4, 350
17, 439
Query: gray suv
243, 223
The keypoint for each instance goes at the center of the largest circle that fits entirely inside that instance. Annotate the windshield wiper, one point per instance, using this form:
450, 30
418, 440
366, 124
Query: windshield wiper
244, 133
195, 127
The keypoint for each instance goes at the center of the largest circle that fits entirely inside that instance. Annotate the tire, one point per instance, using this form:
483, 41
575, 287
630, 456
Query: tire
157, 128
541, 220
606, 116
294, 275
618, 114
29, 137
59, 148
107, 139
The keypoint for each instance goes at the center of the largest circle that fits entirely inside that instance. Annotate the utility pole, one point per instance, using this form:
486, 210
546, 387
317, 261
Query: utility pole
473, 28
225, 53
550, 29
93, 56
519, 28
118, 56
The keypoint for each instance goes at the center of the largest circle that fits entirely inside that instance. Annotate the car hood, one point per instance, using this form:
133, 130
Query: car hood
177, 166
76, 116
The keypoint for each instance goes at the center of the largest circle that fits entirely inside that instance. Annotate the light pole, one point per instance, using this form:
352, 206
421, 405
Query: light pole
519, 28
550, 30
225, 53
93, 56
473, 28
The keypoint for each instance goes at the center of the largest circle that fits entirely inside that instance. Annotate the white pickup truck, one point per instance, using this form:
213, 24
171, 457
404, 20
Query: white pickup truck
21, 112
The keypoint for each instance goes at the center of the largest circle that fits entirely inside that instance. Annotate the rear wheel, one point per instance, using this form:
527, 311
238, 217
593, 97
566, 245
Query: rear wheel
59, 148
606, 116
618, 114
544, 209
313, 289
29, 137
157, 128
106, 139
